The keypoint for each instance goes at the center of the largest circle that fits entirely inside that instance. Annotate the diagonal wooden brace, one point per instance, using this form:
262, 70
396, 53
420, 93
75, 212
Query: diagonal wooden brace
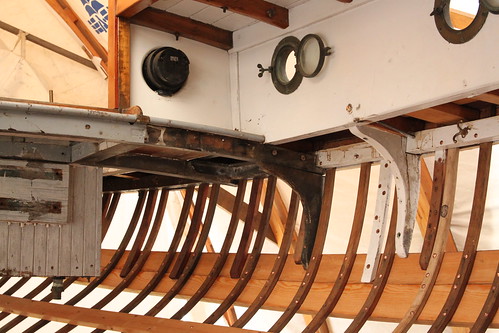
405, 169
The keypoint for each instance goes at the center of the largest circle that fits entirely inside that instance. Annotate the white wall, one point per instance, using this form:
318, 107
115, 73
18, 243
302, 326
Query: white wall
205, 97
388, 59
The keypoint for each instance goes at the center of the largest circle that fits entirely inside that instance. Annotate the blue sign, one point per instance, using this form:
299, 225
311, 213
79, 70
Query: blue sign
98, 15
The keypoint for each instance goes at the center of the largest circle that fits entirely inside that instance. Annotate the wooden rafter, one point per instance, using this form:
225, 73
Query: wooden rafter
80, 29
130, 8
184, 27
258, 9
101, 319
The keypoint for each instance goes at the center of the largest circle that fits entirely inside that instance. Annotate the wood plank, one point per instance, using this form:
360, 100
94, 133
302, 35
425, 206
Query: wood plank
4, 242
77, 220
123, 58
130, 8
80, 29
258, 9
184, 27
33, 192
112, 47
53, 246
41, 250
14, 250
92, 221
101, 319
446, 114
27, 248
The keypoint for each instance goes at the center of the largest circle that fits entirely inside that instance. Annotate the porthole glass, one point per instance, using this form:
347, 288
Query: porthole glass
462, 13
311, 55
285, 77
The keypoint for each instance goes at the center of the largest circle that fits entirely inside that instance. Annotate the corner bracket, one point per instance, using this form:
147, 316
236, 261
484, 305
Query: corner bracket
405, 168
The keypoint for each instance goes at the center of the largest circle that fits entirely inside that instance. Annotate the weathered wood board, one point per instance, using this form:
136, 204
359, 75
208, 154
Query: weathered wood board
48, 247
33, 192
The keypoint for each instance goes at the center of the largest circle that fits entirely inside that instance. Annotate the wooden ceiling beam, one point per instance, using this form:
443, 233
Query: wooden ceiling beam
106, 320
258, 9
80, 29
130, 8
446, 114
184, 27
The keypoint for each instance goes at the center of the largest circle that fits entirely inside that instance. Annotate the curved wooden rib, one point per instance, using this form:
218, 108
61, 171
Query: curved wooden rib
313, 266
450, 161
108, 213
167, 260
192, 234
470, 246
381, 278
145, 252
247, 235
278, 263
489, 309
141, 235
250, 265
350, 254
112, 263
222, 257
437, 191
194, 257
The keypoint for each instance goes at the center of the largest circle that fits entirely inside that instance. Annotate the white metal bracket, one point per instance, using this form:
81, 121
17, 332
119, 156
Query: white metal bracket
380, 217
405, 169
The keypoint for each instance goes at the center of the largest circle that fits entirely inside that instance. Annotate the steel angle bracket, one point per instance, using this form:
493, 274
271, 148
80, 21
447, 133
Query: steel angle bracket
405, 169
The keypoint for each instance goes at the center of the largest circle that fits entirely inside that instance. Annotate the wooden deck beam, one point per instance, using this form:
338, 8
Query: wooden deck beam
402, 286
130, 8
101, 319
258, 9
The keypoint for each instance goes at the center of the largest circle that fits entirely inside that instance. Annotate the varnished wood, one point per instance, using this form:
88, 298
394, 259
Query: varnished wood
253, 258
350, 254
129, 8
278, 264
106, 320
112, 66
168, 257
216, 268
226, 201
142, 233
313, 267
435, 256
123, 59
185, 27
109, 214
448, 113
490, 307
192, 234
194, 257
470, 247
247, 235
258, 9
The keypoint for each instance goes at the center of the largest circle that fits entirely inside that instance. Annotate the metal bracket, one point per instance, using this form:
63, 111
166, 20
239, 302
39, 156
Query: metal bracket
405, 168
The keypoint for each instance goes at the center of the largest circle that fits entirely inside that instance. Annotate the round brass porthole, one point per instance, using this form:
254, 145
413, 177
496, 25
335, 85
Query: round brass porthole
285, 77
492, 5
449, 30
311, 55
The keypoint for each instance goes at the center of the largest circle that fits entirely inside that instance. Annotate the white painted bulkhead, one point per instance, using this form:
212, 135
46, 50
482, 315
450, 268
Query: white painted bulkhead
204, 99
388, 59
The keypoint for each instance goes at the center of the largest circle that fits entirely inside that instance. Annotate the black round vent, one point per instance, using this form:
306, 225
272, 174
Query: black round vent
165, 70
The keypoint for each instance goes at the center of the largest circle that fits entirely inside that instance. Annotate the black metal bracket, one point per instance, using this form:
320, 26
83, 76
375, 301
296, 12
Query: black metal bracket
262, 70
